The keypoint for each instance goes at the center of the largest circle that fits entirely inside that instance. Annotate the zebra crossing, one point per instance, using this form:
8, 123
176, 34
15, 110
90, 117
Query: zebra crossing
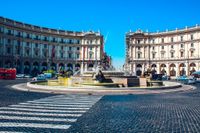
55, 113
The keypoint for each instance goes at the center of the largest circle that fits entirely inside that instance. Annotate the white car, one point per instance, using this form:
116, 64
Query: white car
191, 80
20, 76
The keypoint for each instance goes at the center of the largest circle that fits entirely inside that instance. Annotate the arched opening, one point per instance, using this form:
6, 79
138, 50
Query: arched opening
44, 66
153, 69
77, 67
138, 69
172, 71
69, 67
182, 69
163, 69
8, 64
61, 67
27, 67
192, 68
35, 70
53, 66
90, 67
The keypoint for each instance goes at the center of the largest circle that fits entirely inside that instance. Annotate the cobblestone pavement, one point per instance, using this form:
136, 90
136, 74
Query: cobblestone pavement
171, 112
40, 112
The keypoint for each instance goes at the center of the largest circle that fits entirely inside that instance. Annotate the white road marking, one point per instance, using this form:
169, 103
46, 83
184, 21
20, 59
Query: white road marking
36, 118
54, 109
42, 110
40, 114
43, 107
55, 105
33, 125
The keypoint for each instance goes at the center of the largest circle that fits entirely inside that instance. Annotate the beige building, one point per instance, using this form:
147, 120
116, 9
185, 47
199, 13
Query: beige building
173, 53
32, 49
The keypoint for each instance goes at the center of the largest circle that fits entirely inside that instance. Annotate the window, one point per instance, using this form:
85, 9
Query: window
77, 56
139, 56
162, 55
172, 39
19, 34
70, 41
36, 53
62, 41
70, 55
192, 53
36, 37
78, 48
172, 55
138, 48
61, 55
36, 45
172, 46
8, 50
8, 41
62, 47
90, 56
181, 38
90, 48
163, 47
70, 48
192, 44
182, 45
9, 32
192, 37
45, 46
182, 54
138, 41
45, 53
153, 55
27, 52
153, 48
153, 41
163, 40
27, 44
27, 35
1, 29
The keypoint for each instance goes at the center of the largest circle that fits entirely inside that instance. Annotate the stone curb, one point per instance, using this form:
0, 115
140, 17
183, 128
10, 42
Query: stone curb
100, 91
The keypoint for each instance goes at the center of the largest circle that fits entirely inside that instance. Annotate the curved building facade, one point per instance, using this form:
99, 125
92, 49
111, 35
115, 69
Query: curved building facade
33, 49
174, 53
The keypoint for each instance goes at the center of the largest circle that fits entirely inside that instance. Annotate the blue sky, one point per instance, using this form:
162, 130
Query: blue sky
112, 17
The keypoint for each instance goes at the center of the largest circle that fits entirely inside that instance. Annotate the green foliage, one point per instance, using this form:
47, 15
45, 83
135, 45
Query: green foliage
65, 74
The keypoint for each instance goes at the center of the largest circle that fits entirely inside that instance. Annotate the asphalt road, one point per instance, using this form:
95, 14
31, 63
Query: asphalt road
170, 112
9, 96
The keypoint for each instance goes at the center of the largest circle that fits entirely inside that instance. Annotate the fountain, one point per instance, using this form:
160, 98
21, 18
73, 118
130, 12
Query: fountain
100, 78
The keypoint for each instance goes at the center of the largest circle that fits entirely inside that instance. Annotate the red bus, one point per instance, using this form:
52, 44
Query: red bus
7, 73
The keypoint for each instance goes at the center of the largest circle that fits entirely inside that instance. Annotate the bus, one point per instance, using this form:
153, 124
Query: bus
7, 73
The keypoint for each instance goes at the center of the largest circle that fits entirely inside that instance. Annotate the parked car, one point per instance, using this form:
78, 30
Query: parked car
166, 77
187, 80
191, 80
20, 76
27, 76
39, 77
181, 78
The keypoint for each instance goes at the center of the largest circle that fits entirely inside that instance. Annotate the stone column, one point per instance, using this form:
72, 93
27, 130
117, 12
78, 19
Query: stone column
158, 68
85, 65
187, 69
57, 67
82, 68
